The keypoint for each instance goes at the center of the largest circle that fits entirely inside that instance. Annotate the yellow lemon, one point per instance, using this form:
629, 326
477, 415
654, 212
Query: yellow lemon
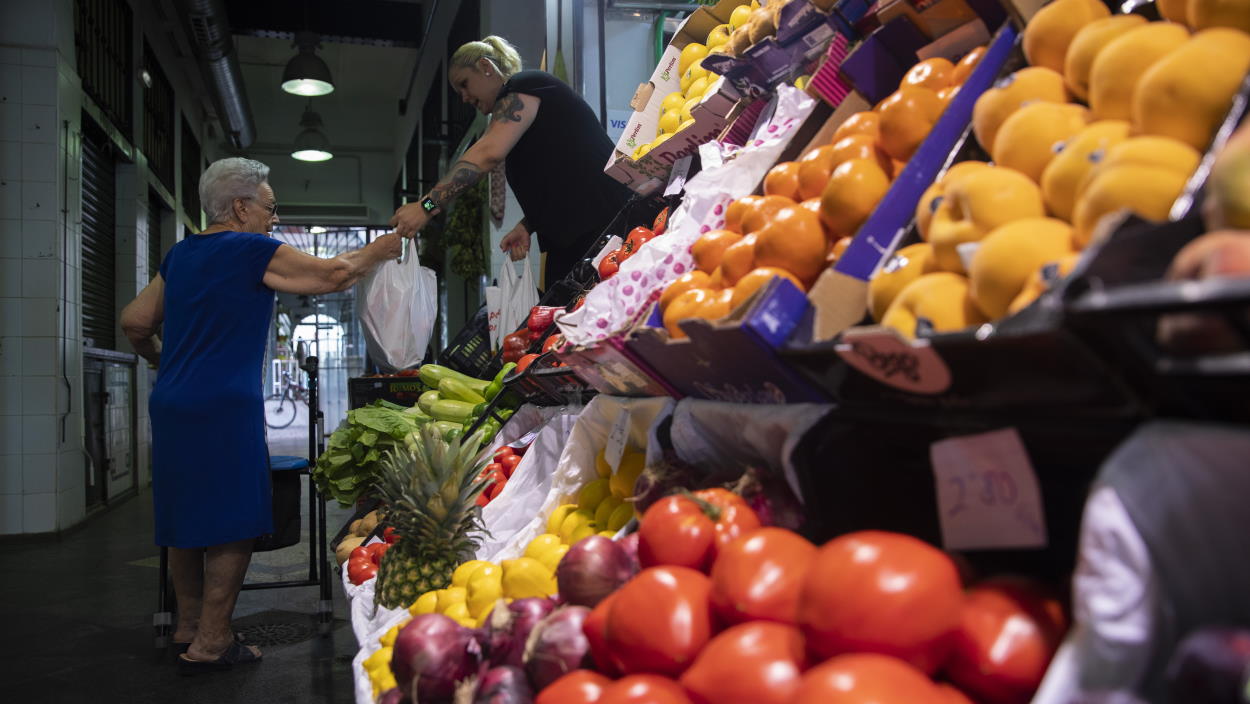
641, 151
672, 101
607, 534
458, 612
557, 517
388, 639
685, 124
552, 557
620, 516
485, 588
380, 658
802, 82
697, 88
582, 532
670, 121
688, 107
449, 597
604, 511
718, 36
425, 604
739, 16
542, 544
622, 483
602, 468
574, 522
460, 577
526, 577
690, 54
592, 494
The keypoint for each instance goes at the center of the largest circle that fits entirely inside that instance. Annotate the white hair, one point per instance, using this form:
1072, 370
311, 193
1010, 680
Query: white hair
227, 179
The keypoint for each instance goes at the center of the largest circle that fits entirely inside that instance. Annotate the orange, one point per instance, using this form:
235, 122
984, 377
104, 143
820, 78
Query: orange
683, 307
896, 168
1202, 14
857, 146
707, 250
1051, 30
854, 190
934, 74
1173, 10
1186, 94
947, 94
793, 240
906, 118
1118, 68
762, 211
1086, 46
756, 279
838, 249
685, 282
1026, 142
716, 281
783, 180
738, 208
814, 170
715, 307
738, 259
813, 204
964, 68
868, 123
998, 103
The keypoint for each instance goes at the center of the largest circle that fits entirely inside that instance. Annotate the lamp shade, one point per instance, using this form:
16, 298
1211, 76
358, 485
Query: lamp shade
306, 73
311, 144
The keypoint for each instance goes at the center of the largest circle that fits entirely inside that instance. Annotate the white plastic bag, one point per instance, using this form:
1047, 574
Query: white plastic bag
516, 295
397, 305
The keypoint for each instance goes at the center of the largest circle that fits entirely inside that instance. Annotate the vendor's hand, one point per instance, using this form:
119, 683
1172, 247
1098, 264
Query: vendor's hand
409, 219
517, 241
389, 246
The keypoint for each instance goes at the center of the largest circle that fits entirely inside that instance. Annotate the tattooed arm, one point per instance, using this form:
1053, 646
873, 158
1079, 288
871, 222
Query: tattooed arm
512, 116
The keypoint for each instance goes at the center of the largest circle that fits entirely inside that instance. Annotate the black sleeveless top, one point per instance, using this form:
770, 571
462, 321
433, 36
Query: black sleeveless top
556, 168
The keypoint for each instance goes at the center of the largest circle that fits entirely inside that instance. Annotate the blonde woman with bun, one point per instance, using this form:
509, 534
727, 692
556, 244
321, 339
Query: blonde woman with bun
553, 148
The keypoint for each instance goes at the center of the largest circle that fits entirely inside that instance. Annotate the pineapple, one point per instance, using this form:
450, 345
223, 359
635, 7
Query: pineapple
431, 492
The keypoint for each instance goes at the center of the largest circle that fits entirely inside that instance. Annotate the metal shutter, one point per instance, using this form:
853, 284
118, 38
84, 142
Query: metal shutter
154, 235
99, 239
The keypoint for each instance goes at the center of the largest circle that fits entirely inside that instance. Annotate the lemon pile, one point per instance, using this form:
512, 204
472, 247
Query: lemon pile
378, 665
477, 585
601, 505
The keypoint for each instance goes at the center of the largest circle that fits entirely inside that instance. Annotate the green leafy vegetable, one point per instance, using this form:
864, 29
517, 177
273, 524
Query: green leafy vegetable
349, 466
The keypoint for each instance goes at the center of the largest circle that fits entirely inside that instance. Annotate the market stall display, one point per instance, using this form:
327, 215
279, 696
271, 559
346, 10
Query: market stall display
852, 390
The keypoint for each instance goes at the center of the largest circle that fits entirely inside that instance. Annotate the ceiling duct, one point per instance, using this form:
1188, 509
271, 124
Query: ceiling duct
214, 47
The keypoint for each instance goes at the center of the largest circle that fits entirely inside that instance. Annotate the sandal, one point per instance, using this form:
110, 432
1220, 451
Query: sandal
236, 654
180, 648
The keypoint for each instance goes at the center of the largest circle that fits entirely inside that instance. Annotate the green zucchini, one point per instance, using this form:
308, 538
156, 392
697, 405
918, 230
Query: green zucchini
451, 410
427, 401
456, 390
445, 428
433, 374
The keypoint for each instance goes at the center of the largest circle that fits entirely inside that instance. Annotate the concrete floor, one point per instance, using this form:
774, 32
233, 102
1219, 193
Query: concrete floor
77, 613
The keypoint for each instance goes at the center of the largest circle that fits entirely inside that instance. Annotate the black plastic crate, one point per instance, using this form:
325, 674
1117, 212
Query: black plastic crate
545, 384
469, 352
402, 390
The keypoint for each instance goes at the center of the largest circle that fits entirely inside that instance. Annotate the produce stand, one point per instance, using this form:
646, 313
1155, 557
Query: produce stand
971, 432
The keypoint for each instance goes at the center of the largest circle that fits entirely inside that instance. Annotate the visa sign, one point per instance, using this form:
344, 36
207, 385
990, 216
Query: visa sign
617, 120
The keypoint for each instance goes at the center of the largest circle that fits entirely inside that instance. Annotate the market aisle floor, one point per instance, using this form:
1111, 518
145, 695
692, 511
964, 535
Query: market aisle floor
77, 614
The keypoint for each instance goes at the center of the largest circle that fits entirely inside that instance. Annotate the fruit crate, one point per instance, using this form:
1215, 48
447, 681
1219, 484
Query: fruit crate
402, 390
546, 382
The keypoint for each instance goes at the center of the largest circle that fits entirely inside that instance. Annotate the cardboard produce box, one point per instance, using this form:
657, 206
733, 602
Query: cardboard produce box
804, 32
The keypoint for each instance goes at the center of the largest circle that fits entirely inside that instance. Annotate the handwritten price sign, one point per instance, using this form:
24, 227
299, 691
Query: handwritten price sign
987, 492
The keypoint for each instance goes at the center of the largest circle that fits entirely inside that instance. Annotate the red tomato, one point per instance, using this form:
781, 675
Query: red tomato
552, 342
880, 592
376, 551
509, 465
495, 488
661, 223
636, 238
490, 469
482, 500
1008, 633
524, 362
390, 536
503, 452
751, 663
609, 265
866, 678
595, 628
360, 570
660, 620
359, 552
679, 530
952, 695
644, 689
577, 687
760, 576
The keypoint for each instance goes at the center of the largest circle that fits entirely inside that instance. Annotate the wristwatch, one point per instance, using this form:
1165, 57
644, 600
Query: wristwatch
428, 205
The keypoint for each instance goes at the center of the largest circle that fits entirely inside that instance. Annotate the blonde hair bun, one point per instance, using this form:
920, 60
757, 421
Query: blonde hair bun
499, 50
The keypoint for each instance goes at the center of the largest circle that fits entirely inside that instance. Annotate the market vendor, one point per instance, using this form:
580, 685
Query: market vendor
210, 465
554, 150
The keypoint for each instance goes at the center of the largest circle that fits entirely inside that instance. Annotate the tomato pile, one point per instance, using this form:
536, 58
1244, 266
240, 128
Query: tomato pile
499, 472
727, 611
362, 563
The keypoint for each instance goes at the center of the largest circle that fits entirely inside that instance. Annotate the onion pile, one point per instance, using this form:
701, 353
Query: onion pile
509, 628
503, 685
592, 569
558, 646
432, 654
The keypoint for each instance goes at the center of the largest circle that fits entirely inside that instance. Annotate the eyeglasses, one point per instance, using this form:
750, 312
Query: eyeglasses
272, 207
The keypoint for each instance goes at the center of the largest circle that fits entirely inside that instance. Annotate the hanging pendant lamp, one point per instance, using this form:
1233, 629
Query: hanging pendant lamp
306, 73
311, 144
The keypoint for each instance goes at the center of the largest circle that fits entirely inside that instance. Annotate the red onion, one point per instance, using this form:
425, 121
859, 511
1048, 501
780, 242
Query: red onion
558, 646
393, 696
509, 627
592, 569
630, 545
503, 685
433, 653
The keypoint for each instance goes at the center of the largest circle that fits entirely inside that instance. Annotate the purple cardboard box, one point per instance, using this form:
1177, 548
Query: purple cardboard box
610, 368
877, 66
734, 360
803, 33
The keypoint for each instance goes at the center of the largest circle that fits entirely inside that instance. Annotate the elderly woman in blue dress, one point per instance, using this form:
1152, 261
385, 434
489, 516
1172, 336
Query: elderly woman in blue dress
210, 475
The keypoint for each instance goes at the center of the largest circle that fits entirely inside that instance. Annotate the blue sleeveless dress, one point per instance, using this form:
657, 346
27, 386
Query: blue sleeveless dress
210, 463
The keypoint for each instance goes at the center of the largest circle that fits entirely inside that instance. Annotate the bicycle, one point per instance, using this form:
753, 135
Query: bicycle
283, 414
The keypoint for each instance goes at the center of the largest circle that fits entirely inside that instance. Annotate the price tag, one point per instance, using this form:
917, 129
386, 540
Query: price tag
618, 438
677, 178
987, 492
893, 361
